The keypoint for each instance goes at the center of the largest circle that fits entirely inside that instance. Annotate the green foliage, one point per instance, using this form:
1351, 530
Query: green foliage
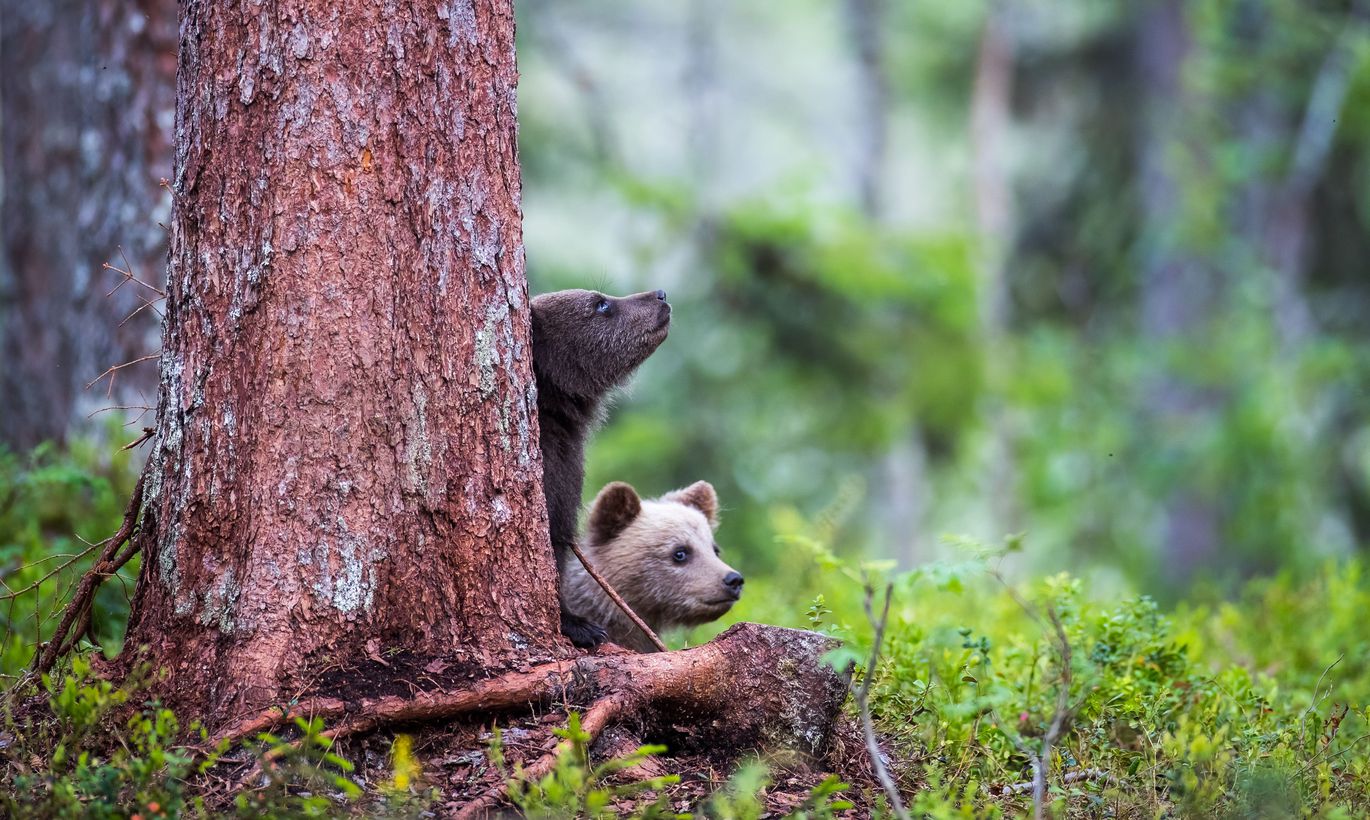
97, 753
79, 762
1213, 709
54, 504
304, 777
576, 788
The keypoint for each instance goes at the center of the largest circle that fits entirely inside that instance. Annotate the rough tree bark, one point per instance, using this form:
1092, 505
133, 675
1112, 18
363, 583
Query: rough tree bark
343, 505
86, 100
346, 461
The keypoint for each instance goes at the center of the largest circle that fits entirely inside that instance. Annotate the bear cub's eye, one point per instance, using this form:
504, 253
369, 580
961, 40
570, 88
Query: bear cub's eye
602, 306
680, 555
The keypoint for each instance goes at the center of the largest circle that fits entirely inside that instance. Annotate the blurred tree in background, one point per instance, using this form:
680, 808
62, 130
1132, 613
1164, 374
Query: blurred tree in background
86, 108
1086, 270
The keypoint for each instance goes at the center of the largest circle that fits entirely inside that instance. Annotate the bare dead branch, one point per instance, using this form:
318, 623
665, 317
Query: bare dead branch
118, 367
129, 275
145, 408
863, 702
65, 565
1313, 704
1077, 776
617, 599
148, 433
83, 599
147, 303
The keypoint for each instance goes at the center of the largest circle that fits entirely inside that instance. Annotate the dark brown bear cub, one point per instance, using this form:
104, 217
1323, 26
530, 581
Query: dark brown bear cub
584, 345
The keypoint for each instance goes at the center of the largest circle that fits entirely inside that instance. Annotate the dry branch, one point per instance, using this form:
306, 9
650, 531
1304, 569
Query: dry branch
618, 600
82, 602
863, 703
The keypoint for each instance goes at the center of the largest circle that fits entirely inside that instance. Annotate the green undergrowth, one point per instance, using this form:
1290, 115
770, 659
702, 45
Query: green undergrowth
1250, 705
56, 506
1258, 706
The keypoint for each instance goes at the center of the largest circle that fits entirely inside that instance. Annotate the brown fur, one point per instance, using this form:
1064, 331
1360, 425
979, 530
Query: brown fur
584, 345
632, 542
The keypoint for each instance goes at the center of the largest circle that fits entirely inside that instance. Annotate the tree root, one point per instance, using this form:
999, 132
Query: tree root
753, 686
78, 612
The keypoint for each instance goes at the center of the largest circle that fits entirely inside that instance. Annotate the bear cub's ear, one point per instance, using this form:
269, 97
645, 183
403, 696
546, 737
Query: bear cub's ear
616, 506
699, 495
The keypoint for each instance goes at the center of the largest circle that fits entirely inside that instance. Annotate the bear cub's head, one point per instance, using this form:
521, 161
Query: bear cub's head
585, 343
660, 556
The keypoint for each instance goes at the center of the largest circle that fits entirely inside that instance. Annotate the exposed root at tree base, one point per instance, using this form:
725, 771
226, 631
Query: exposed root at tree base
753, 688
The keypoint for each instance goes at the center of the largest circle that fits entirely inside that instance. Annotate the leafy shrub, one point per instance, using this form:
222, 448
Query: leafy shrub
54, 504
1212, 709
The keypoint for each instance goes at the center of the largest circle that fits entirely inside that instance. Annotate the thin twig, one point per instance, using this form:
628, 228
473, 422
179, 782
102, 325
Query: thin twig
1039, 757
863, 702
618, 600
148, 433
116, 367
72, 559
129, 276
1313, 704
145, 408
1318, 757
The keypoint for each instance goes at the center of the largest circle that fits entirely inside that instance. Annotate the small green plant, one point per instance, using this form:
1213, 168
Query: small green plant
575, 788
817, 613
76, 761
304, 777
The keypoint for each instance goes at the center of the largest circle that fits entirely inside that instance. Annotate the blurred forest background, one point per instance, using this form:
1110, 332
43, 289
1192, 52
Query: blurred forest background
1089, 271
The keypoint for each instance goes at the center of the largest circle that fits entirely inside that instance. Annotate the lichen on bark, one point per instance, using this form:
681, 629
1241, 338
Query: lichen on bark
346, 438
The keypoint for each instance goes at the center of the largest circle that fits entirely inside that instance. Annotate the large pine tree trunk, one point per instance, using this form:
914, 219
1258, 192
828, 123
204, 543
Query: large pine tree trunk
86, 95
346, 463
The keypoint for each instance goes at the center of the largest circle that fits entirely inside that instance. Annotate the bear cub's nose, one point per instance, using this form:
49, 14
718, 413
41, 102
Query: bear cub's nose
661, 295
733, 581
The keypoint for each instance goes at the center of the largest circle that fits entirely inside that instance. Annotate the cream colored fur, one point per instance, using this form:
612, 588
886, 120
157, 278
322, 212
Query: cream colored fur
638, 559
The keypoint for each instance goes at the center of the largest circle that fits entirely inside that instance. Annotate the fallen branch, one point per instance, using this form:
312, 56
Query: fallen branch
1076, 776
614, 596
